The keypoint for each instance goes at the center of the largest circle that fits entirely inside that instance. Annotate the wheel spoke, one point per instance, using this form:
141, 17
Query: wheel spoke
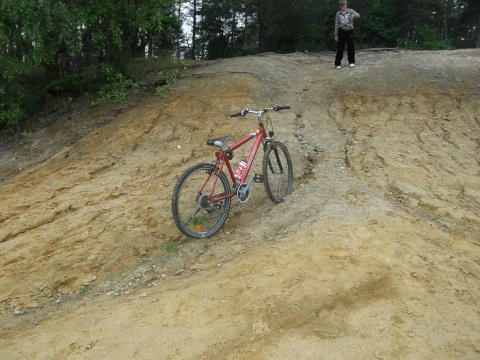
194, 213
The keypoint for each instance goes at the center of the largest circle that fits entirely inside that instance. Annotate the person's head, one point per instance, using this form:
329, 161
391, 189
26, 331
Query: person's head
343, 4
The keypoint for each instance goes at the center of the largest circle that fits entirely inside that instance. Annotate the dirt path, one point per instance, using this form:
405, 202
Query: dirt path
374, 255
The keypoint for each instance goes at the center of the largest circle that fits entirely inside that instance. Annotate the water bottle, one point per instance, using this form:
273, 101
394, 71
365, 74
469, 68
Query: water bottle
242, 165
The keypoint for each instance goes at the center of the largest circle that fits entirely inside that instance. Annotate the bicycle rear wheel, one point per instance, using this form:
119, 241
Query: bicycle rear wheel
195, 212
277, 171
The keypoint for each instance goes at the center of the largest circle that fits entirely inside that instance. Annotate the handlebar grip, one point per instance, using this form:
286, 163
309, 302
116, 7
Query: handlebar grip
280, 107
240, 113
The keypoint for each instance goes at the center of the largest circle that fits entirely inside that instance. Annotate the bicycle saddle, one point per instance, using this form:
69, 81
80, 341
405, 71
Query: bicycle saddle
220, 142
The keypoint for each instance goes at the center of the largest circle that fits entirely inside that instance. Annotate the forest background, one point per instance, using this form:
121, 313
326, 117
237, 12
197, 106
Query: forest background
51, 49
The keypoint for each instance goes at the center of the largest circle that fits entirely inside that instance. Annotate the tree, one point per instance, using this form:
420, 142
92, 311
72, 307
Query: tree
42, 41
379, 25
466, 31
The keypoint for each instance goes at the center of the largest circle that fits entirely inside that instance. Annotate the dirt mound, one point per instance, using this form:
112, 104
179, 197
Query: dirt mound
374, 255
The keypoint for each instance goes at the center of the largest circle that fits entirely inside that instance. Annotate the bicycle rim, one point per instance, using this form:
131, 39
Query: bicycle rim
277, 172
193, 211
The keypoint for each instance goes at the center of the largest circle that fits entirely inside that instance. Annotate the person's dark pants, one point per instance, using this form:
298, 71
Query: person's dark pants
345, 37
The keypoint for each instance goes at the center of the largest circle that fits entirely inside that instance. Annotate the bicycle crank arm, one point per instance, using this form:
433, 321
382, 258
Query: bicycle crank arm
243, 192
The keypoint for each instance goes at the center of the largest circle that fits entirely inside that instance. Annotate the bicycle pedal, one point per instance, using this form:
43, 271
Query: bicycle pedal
258, 178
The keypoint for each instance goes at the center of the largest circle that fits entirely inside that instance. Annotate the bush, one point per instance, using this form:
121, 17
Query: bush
11, 115
115, 88
75, 84
426, 39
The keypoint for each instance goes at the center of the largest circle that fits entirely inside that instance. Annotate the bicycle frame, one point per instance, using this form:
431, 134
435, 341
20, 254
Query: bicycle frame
223, 160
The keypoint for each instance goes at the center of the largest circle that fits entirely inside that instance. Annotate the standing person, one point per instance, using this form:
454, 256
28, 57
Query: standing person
344, 34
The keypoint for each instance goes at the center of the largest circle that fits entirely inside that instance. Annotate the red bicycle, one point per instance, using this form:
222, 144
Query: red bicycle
203, 194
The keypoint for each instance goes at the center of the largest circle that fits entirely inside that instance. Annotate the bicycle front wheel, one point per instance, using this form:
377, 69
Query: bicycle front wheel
277, 171
195, 209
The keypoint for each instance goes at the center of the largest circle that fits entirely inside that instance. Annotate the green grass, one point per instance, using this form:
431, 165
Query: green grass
171, 247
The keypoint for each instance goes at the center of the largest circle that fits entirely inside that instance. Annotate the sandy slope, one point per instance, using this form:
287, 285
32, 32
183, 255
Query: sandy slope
374, 255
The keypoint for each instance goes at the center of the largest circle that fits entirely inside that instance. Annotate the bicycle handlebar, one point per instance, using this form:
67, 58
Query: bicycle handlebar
275, 107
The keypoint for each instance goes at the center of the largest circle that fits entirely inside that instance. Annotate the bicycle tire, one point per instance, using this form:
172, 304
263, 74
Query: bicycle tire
277, 171
194, 214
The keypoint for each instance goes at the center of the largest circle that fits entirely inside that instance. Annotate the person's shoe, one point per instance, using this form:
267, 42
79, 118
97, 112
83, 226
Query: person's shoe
338, 67
352, 65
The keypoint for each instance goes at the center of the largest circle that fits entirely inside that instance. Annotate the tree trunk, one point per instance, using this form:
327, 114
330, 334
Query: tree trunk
445, 21
265, 20
477, 29
194, 30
